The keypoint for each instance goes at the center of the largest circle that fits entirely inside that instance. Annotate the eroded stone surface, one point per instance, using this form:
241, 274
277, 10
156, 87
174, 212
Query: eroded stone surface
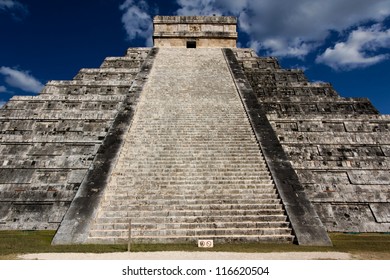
49, 142
194, 31
337, 146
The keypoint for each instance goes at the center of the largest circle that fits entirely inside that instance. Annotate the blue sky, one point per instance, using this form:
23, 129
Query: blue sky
346, 43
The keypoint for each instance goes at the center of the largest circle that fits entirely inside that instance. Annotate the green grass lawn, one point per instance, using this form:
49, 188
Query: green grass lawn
364, 246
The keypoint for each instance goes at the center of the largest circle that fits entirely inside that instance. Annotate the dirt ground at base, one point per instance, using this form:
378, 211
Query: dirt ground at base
372, 256
190, 256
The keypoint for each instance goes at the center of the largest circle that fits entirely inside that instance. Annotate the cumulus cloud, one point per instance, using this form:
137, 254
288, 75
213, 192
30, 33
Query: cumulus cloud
210, 7
21, 80
3, 89
8, 4
282, 47
359, 50
290, 27
137, 21
198, 7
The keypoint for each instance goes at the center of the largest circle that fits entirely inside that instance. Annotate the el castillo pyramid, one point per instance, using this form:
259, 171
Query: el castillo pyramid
193, 139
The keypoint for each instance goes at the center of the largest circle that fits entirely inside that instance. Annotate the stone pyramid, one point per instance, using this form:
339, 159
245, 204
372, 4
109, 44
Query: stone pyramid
193, 139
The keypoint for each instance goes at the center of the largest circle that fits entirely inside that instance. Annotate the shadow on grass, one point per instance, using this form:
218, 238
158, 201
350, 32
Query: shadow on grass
13, 243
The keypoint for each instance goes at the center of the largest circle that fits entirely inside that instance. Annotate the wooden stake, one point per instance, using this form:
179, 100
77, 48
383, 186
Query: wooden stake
129, 240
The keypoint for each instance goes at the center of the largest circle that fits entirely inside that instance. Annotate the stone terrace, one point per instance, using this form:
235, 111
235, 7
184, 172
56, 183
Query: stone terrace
339, 147
48, 142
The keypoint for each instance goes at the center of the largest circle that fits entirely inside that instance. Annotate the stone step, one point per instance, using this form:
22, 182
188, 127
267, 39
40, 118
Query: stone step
184, 192
190, 124
194, 165
201, 140
187, 158
186, 187
157, 195
187, 126
195, 169
194, 239
201, 173
190, 173
197, 165
202, 135
191, 232
198, 154
158, 220
185, 213
172, 150
205, 181
234, 131
112, 83
209, 186
179, 114
175, 153
182, 117
236, 125
210, 201
191, 207
194, 183
153, 226
122, 63
66, 97
194, 173
200, 195
199, 137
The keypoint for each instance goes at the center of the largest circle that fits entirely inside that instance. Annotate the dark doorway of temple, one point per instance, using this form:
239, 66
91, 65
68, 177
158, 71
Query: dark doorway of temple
191, 45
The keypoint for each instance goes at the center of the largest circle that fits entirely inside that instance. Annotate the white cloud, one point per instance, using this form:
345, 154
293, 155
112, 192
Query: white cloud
2, 103
21, 79
3, 89
281, 47
290, 27
7, 4
210, 7
359, 50
16, 9
198, 7
137, 21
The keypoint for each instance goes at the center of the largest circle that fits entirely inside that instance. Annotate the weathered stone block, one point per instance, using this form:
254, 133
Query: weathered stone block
195, 31
368, 177
381, 212
322, 177
349, 218
301, 152
15, 176
76, 176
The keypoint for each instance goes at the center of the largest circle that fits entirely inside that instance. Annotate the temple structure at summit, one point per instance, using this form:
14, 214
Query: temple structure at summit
190, 140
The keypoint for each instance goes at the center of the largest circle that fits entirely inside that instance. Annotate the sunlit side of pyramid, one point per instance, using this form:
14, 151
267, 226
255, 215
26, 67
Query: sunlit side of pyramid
193, 139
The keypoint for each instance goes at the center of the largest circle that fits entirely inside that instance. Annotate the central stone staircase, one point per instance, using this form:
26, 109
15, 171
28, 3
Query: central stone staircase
191, 167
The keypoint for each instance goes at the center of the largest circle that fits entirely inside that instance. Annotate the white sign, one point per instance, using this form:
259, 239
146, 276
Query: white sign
205, 243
